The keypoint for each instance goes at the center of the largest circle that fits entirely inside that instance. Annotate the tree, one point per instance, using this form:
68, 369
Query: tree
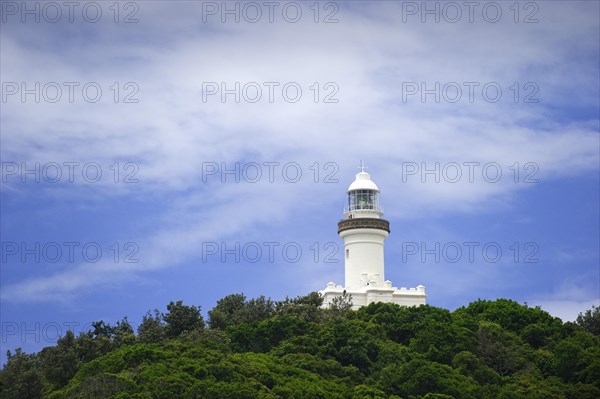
582, 391
19, 378
227, 311
61, 362
352, 342
420, 377
509, 314
530, 385
366, 392
98, 386
340, 305
180, 318
123, 333
295, 349
234, 310
88, 347
535, 335
590, 365
566, 359
500, 349
590, 320
151, 329
258, 309
102, 329
307, 307
470, 365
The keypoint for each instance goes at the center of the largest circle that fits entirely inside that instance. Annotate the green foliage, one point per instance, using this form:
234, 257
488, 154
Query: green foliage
99, 386
123, 333
352, 342
341, 305
509, 314
420, 377
500, 349
401, 324
529, 386
535, 335
367, 392
180, 318
60, 362
437, 396
209, 338
20, 378
590, 320
307, 308
228, 311
576, 359
293, 348
235, 309
582, 391
473, 366
566, 359
151, 329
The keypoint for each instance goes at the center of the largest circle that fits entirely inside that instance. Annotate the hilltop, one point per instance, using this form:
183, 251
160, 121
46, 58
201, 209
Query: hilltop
260, 348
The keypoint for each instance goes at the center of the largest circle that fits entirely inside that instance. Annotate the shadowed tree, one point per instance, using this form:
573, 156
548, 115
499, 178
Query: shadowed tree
19, 378
61, 362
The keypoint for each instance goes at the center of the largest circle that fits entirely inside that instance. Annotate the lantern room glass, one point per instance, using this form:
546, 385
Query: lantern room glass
363, 199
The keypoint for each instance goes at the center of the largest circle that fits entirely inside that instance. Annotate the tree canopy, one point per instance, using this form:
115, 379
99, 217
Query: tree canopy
260, 348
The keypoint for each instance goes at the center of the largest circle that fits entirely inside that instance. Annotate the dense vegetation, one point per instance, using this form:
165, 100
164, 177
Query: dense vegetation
259, 348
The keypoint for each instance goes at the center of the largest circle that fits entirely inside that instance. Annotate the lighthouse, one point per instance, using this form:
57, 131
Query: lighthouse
364, 231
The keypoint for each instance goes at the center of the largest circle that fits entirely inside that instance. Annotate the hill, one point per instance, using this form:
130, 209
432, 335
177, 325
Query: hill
260, 348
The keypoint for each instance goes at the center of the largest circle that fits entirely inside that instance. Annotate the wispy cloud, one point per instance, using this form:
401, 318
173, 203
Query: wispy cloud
369, 55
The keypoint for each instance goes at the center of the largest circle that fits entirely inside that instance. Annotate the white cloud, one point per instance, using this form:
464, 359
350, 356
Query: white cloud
566, 310
368, 55
568, 300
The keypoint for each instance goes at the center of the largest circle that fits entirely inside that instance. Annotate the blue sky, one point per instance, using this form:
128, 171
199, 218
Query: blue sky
171, 222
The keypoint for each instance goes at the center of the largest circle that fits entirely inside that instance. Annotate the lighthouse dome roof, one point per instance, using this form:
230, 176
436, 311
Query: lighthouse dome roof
363, 182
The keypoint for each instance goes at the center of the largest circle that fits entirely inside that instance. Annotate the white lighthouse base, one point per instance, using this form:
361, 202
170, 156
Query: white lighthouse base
363, 296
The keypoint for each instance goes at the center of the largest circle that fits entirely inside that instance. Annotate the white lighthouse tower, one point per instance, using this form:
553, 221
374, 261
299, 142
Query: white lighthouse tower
364, 231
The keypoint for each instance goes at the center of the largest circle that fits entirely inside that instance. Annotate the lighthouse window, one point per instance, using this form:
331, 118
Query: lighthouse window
363, 199
347, 253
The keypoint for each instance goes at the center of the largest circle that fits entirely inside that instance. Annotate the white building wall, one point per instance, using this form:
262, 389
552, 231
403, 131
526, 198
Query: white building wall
363, 256
364, 297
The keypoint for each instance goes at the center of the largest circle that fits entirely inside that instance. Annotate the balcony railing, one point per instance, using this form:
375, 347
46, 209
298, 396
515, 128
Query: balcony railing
363, 223
350, 208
